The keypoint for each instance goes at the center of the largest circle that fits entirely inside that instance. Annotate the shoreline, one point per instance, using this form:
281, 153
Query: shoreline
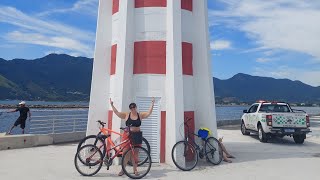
5, 106
71, 106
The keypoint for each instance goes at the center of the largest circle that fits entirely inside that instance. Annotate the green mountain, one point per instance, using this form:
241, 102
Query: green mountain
247, 88
8, 88
53, 77
66, 78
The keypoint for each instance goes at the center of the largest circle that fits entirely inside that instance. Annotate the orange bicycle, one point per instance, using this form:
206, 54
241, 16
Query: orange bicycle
89, 158
101, 139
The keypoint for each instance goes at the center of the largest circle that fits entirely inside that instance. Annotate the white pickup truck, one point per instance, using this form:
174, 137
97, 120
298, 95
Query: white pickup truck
271, 119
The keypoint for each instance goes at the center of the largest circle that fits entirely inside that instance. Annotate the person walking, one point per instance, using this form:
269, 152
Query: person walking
24, 113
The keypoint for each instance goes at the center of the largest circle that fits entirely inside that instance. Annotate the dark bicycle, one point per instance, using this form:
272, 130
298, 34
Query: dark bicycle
185, 154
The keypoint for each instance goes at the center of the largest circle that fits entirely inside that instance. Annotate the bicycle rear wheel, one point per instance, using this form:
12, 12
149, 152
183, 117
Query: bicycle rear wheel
98, 141
213, 151
146, 145
184, 155
135, 155
88, 160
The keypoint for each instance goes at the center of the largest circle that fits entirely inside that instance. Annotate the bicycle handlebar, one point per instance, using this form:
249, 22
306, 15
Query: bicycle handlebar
101, 123
127, 128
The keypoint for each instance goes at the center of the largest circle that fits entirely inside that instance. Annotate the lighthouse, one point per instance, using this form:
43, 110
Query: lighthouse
153, 48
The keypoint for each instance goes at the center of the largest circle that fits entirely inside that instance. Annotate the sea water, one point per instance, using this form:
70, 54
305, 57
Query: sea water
8, 119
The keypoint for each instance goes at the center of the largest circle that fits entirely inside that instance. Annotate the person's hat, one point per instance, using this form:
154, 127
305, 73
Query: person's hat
22, 103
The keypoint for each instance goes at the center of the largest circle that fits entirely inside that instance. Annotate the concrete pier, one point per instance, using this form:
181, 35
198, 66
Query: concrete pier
8, 142
278, 159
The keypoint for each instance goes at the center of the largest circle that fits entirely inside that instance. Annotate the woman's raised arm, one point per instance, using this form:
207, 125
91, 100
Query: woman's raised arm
145, 115
121, 115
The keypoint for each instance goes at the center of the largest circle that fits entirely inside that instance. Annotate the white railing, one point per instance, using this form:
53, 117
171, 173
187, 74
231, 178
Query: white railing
315, 117
54, 124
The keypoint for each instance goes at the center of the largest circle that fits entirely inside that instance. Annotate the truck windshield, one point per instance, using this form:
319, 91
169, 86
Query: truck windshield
274, 108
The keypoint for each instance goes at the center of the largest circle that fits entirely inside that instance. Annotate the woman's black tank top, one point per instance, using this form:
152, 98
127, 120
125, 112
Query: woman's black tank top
134, 123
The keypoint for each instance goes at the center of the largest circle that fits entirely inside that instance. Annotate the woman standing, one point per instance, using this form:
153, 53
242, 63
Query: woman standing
133, 119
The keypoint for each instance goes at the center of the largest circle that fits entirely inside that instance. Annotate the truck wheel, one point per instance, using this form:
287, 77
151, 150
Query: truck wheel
299, 139
244, 129
262, 135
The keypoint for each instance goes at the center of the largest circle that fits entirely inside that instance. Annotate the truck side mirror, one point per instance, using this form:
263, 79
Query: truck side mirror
245, 111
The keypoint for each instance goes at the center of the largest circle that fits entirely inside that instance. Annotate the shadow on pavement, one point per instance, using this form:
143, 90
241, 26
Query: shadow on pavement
277, 148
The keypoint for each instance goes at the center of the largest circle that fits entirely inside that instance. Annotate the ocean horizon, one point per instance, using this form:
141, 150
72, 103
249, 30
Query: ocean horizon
7, 119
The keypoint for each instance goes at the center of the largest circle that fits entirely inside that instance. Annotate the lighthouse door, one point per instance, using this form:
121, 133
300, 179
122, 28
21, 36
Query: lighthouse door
151, 126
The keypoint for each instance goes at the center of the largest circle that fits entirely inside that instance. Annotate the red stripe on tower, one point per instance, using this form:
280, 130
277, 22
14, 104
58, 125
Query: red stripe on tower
150, 3
115, 6
163, 137
191, 125
110, 114
149, 57
113, 59
187, 5
187, 56
189, 115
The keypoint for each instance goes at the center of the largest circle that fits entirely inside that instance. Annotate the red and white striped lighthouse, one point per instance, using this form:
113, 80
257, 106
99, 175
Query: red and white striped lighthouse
154, 48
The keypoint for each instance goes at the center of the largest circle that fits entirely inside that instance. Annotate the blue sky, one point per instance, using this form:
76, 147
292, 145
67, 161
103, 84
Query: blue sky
278, 39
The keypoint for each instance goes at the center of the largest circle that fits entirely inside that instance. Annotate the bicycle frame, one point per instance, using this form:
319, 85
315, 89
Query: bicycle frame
126, 142
193, 142
107, 137
187, 137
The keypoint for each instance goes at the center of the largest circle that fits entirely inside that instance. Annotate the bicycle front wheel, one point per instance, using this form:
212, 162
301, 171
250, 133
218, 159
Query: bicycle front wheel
184, 155
213, 151
134, 156
88, 160
145, 144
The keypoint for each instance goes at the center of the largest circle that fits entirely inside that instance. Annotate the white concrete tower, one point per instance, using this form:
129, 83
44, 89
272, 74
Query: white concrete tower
154, 48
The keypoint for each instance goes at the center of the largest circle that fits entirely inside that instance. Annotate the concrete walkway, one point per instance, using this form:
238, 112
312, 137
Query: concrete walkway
280, 159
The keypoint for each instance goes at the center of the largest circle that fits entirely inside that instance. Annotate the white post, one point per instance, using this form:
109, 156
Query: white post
124, 67
53, 124
122, 79
98, 108
74, 125
204, 97
174, 77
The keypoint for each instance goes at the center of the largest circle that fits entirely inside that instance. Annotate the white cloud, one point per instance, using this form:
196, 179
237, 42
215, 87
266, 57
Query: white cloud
32, 30
54, 41
17, 18
263, 60
220, 45
88, 7
53, 52
282, 24
307, 76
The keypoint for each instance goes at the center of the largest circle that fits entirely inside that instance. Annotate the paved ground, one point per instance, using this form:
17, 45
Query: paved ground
280, 159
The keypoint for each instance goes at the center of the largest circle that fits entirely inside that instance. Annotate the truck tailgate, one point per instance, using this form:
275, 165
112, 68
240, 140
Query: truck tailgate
297, 120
